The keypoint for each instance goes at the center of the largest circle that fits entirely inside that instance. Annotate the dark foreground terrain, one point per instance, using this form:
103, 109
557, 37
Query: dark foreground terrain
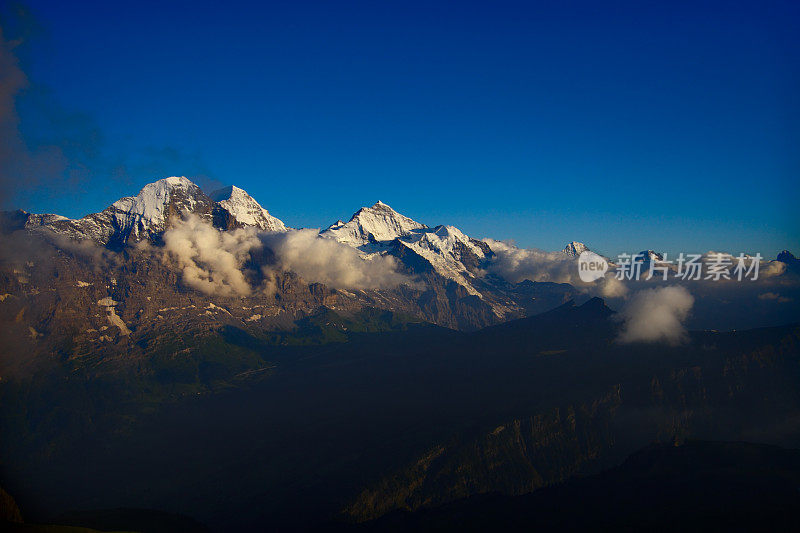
695, 486
416, 425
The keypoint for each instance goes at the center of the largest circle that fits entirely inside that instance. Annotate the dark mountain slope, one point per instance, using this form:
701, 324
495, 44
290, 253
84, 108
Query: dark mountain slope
698, 486
339, 423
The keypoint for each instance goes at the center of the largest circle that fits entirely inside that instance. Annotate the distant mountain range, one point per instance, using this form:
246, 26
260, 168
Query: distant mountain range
454, 288
378, 229
455, 282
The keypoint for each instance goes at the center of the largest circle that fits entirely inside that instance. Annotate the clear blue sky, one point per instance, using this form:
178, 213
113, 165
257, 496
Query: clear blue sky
668, 125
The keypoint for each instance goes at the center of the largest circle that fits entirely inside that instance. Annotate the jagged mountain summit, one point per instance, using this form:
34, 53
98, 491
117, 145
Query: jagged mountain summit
574, 249
245, 210
146, 216
132, 218
452, 254
372, 225
789, 259
445, 249
648, 257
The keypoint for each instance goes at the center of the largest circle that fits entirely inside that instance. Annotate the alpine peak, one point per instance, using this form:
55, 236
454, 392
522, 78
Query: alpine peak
148, 207
647, 256
379, 223
575, 248
245, 209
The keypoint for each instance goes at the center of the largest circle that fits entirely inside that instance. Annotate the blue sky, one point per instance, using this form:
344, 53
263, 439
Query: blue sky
672, 126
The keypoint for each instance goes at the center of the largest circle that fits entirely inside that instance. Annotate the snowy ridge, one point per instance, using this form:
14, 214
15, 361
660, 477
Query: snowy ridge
245, 209
372, 229
444, 241
443, 247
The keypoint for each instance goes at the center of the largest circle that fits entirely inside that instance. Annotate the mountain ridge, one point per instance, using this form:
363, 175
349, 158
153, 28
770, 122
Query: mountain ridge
456, 280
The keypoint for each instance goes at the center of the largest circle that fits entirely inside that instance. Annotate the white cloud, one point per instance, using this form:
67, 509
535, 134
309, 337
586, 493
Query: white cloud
518, 264
611, 287
332, 263
654, 315
766, 268
771, 269
211, 260
220, 262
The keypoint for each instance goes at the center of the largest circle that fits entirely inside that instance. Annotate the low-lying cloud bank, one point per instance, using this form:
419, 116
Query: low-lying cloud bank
515, 264
519, 264
653, 315
332, 263
224, 263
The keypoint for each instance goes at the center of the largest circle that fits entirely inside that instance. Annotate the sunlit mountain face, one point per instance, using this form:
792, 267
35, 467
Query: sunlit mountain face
310, 266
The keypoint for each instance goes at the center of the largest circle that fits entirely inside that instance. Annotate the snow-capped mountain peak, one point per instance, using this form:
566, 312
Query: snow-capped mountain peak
148, 210
450, 252
445, 240
245, 210
133, 218
646, 256
148, 214
575, 248
369, 225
